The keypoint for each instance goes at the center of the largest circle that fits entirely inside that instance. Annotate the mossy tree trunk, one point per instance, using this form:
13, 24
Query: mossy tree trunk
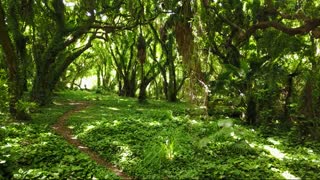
14, 74
53, 59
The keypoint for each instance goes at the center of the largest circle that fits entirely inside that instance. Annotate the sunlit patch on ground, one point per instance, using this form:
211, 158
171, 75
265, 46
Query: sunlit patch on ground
232, 134
275, 142
125, 153
274, 152
114, 109
88, 128
116, 123
57, 103
287, 175
154, 123
193, 122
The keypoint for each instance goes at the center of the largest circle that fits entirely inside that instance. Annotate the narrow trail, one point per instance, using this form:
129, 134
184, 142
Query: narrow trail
61, 128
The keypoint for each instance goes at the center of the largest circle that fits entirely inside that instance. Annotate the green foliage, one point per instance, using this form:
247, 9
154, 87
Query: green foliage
282, 44
32, 151
4, 97
158, 140
26, 106
154, 140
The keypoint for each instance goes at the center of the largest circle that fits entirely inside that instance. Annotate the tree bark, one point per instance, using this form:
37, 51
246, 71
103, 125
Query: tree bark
251, 114
287, 101
14, 77
48, 73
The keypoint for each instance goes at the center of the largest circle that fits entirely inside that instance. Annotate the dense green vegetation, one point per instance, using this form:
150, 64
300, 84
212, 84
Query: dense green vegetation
164, 140
32, 150
178, 88
151, 140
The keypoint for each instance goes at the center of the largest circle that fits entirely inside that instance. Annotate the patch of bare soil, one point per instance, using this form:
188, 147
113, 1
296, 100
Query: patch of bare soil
61, 128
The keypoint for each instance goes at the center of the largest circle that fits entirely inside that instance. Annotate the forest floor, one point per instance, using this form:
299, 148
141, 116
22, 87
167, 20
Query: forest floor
85, 135
61, 128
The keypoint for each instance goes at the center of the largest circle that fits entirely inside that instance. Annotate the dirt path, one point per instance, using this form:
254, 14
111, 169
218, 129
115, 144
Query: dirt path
66, 132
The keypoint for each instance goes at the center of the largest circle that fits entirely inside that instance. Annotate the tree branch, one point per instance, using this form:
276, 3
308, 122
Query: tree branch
307, 27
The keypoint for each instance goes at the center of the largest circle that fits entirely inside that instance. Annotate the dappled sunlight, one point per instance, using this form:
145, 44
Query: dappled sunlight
275, 142
154, 123
305, 154
125, 153
113, 108
46, 134
75, 103
193, 122
82, 147
285, 174
274, 152
57, 103
288, 175
116, 123
252, 145
88, 128
234, 136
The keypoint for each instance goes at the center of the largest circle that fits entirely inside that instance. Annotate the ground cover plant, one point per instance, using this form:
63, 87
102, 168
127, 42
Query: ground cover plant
32, 150
160, 140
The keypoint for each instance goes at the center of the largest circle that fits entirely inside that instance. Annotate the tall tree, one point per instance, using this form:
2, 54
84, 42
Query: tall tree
14, 73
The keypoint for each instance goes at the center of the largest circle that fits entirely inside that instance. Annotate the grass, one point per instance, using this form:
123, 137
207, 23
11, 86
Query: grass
153, 140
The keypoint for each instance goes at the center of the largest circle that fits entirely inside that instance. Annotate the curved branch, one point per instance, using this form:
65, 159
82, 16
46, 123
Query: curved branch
307, 27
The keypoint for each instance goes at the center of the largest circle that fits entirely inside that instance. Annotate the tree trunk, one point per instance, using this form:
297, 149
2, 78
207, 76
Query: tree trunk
14, 76
41, 90
251, 113
172, 85
286, 106
143, 86
143, 92
49, 70
98, 77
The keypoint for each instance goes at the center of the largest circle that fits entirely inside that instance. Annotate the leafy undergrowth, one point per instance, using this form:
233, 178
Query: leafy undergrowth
154, 140
31, 150
158, 140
